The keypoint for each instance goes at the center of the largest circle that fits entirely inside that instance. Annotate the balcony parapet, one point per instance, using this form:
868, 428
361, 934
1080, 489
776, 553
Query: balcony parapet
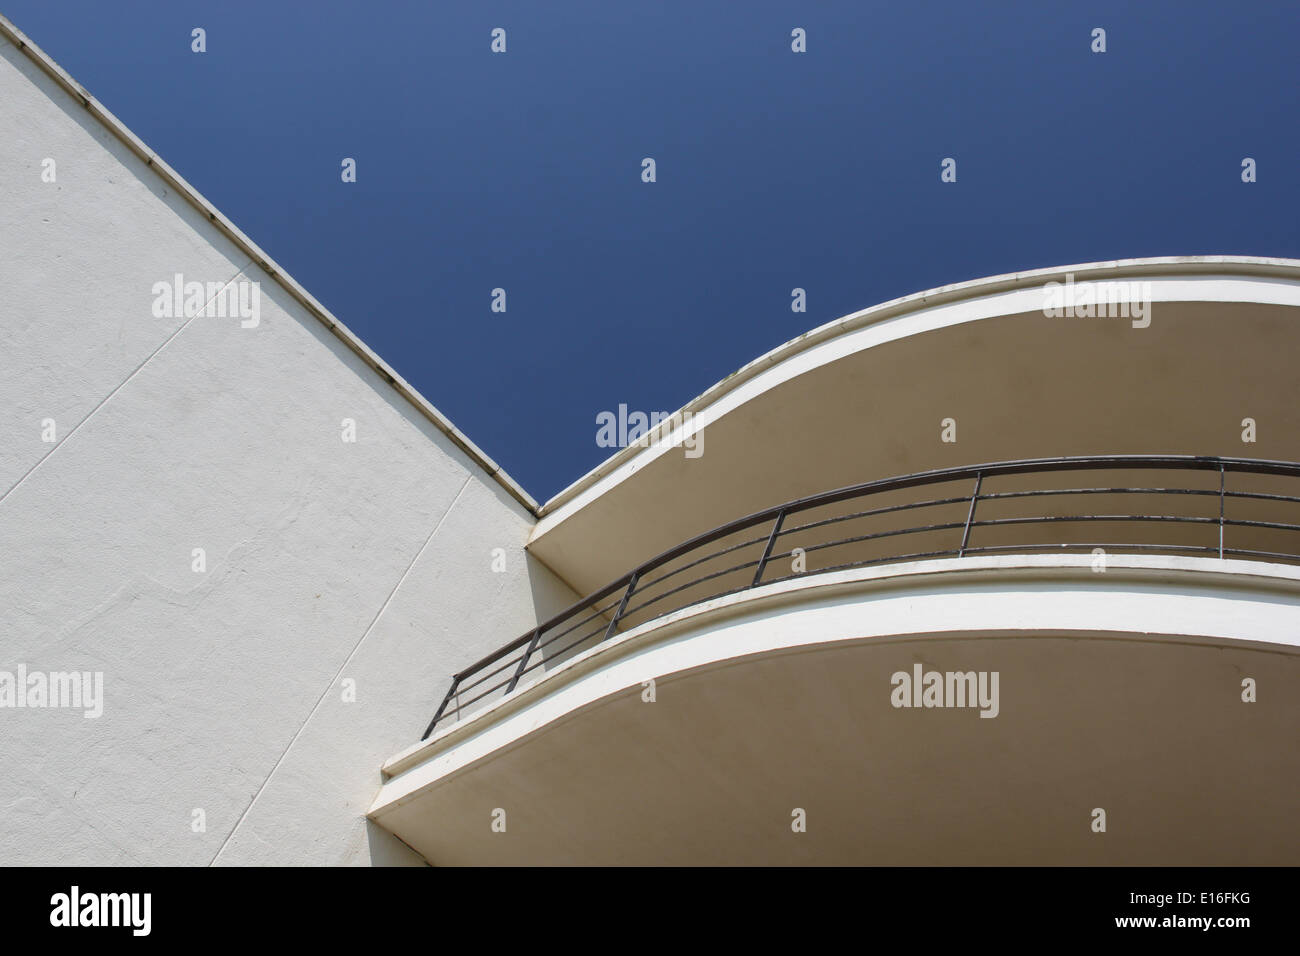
1217, 508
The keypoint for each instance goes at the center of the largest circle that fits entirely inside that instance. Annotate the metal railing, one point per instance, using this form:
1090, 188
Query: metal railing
784, 533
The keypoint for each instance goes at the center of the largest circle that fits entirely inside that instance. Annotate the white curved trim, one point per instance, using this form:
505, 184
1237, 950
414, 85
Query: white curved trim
1141, 597
1173, 279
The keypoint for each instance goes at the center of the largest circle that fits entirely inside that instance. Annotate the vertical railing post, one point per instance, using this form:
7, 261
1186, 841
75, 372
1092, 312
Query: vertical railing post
455, 682
1221, 484
622, 605
767, 551
523, 661
970, 515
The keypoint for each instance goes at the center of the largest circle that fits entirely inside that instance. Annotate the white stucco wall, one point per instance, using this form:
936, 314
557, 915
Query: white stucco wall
326, 561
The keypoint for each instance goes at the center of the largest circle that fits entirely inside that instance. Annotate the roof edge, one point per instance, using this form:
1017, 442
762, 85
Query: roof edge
269, 265
972, 288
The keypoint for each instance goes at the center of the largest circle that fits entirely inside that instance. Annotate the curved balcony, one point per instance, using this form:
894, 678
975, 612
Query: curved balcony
863, 397
1207, 507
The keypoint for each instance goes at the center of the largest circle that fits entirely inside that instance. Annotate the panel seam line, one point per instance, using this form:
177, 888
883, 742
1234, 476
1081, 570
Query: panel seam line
138, 369
342, 667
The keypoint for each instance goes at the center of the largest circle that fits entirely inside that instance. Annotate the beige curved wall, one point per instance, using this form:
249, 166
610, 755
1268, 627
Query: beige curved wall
1120, 690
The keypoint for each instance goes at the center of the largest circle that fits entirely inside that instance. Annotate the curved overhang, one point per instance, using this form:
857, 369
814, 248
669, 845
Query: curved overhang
864, 397
1120, 690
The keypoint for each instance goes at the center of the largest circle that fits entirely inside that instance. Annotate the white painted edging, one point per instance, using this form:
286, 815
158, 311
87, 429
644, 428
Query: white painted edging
1173, 279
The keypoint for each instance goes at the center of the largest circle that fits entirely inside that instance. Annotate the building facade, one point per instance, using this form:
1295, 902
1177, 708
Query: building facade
1003, 572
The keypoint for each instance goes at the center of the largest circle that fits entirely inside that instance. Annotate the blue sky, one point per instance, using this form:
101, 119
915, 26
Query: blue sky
775, 170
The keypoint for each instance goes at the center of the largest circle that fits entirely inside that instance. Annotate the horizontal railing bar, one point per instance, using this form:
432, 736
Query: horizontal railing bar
1059, 546
707, 597
872, 512
1187, 519
586, 637
897, 532
708, 557
948, 552
1043, 519
691, 584
477, 698
1119, 546
1262, 554
1035, 519
560, 618
1275, 525
1260, 494
599, 612
506, 665
1033, 493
